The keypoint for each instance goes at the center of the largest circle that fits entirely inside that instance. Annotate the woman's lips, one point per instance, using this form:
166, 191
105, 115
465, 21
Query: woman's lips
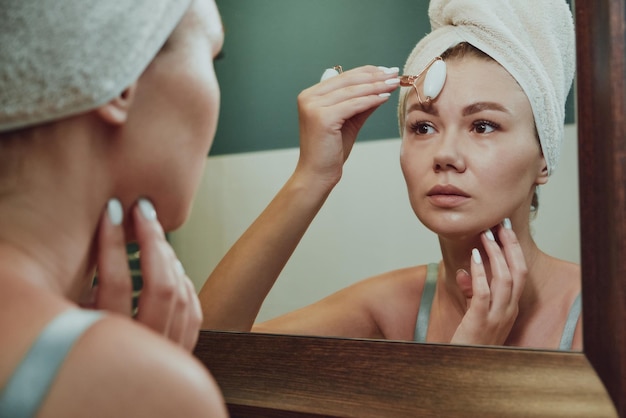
447, 196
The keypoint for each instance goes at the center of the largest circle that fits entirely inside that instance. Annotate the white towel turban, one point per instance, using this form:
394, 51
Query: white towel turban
534, 40
63, 57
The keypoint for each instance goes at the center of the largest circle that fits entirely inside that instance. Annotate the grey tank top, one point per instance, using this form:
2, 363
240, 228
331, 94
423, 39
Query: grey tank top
423, 315
27, 388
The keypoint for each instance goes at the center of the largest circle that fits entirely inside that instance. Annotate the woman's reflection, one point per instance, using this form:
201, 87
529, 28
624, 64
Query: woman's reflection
480, 133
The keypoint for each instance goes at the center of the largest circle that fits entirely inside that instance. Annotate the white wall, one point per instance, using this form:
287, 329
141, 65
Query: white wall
366, 227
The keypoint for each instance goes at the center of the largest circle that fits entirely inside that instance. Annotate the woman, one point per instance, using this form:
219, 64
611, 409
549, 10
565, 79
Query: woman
475, 146
107, 113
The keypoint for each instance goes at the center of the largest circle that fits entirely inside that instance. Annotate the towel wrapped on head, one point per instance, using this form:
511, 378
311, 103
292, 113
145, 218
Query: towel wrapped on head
64, 57
534, 40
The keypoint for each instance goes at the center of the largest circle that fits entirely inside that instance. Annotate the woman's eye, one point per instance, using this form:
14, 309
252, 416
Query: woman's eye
484, 127
422, 128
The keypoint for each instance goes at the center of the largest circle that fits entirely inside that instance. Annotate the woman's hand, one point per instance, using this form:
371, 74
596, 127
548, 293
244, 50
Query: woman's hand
331, 114
493, 305
168, 303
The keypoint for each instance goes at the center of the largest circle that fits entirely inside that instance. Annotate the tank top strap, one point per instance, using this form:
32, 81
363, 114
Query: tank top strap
27, 388
426, 302
567, 338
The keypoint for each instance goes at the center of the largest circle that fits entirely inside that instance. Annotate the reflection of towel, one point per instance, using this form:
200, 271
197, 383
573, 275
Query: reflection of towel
63, 57
532, 39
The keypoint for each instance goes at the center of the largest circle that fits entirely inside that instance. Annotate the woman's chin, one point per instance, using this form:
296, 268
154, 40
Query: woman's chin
453, 229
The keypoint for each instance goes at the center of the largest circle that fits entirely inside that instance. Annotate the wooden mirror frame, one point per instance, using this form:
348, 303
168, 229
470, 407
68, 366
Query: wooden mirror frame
292, 376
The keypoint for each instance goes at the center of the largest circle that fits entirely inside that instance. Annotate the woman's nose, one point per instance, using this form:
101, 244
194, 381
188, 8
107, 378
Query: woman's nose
448, 154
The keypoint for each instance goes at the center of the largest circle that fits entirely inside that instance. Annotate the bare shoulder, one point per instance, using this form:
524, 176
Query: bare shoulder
394, 281
382, 306
561, 264
566, 275
120, 368
385, 288
568, 268
393, 300
569, 276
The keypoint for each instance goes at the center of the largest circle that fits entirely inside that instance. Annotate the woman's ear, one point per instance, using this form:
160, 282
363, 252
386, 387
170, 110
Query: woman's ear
116, 110
542, 174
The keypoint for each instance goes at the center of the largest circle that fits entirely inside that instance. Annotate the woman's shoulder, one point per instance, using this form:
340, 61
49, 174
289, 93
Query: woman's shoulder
393, 299
406, 281
413, 275
121, 368
566, 273
116, 366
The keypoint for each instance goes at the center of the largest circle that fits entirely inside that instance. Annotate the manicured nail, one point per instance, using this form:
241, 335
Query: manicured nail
476, 256
506, 223
179, 267
147, 210
389, 70
384, 94
329, 73
115, 212
489, 235
392, 81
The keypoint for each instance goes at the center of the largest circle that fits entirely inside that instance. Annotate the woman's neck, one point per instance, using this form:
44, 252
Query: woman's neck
48, 222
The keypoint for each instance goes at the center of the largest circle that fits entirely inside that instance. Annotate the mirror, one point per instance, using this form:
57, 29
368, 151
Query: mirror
367, 226
283, 376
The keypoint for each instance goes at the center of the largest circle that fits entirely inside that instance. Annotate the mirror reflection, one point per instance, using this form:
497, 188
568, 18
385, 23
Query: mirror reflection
369, 225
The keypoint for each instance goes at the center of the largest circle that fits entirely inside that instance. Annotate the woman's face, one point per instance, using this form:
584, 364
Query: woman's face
471, 158
174, 116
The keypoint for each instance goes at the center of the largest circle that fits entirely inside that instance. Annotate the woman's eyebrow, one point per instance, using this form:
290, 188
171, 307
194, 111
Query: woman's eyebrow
480, 106
471, 109
431, 109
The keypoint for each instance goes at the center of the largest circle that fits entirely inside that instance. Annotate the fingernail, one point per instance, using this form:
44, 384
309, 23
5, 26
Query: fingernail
489, 235
462, 271
476, 256
384, 94
115, 212
389, 70
147, 210
506, 223
329, 73
179, 267
392, 81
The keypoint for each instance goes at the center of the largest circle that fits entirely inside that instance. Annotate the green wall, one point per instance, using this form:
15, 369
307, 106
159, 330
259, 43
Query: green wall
276, 48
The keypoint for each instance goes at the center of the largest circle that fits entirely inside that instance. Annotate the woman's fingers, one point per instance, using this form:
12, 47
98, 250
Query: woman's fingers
331, 114
114, 283
160, 286
344, 89
474, 327
187, 314
180, 314
361, 76
501, 280
194, 317
494, 303
515, 259
481, 293
168, 303
348, 94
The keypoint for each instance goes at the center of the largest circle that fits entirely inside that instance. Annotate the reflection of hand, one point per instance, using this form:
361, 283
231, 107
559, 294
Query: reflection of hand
331, 114
493, 307
168, 303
